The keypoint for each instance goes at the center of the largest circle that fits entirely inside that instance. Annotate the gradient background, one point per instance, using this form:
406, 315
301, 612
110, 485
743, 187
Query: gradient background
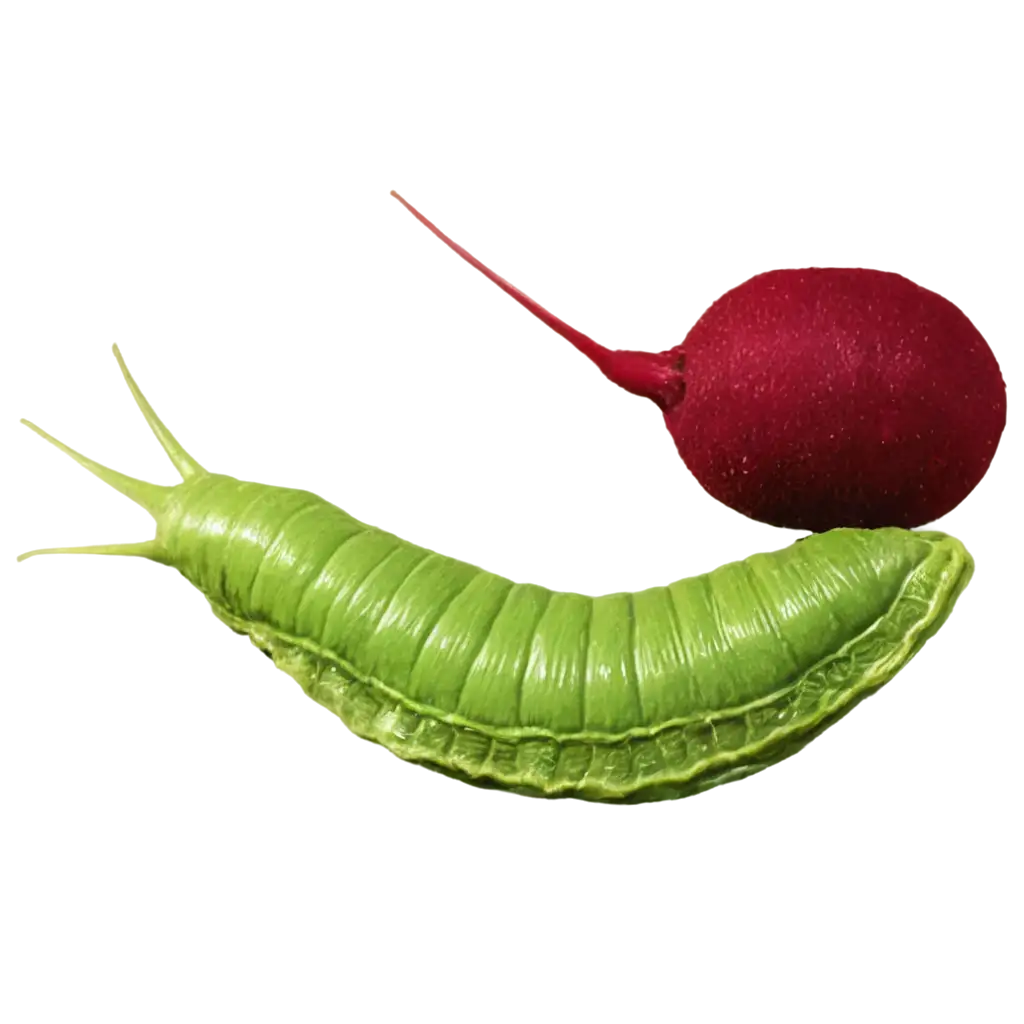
180, 839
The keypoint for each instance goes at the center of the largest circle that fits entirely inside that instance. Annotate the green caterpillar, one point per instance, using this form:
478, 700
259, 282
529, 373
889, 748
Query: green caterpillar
626, 697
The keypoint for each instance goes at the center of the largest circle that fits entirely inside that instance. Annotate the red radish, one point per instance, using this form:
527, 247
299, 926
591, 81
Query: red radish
818, 398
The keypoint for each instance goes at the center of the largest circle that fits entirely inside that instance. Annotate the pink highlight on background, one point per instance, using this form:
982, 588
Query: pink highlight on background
634, 267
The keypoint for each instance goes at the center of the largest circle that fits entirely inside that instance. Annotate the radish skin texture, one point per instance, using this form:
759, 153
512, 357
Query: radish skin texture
825, 397
818, 398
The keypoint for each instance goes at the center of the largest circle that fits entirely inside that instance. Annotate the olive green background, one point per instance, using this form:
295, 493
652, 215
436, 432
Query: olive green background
180, 839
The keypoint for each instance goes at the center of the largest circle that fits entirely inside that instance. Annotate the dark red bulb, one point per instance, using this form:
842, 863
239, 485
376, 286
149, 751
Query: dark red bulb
819, 398
829, 397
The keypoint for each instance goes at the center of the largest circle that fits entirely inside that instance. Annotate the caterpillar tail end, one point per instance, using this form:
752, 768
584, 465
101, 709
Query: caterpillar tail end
152, 497
128, 552
183, 462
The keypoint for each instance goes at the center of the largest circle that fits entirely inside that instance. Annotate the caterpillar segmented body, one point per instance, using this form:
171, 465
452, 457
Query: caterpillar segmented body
626, 697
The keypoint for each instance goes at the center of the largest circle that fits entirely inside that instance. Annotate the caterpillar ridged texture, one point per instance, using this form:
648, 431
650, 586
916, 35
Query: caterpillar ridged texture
617, 697
626, 697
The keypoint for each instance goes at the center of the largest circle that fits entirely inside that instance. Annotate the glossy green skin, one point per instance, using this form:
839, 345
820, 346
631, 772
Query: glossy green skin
627, 697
